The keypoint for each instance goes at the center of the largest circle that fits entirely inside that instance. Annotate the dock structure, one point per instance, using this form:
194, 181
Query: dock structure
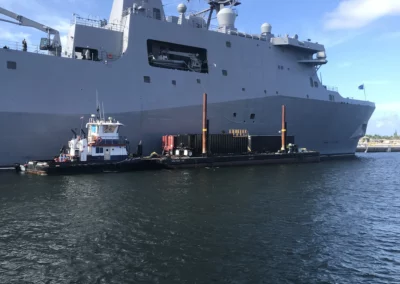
377, 147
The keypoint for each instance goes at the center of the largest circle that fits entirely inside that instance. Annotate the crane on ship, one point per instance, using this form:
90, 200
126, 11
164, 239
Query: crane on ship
52, 43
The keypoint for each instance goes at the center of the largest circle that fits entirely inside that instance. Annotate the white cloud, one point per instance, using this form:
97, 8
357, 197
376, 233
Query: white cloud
7, 36
354, 14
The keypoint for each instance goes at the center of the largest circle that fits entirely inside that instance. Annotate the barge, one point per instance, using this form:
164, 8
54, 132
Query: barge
104, 150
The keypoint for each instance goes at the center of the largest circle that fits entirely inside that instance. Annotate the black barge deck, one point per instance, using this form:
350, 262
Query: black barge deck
240, 160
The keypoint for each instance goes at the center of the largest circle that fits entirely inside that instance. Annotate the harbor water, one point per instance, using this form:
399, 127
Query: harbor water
331, 222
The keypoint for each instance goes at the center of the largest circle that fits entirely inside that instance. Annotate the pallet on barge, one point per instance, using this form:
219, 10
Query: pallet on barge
175, 162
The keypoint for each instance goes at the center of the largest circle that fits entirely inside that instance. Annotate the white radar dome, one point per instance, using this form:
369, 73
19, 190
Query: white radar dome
181, 8
321, 55
226, 18
266, 28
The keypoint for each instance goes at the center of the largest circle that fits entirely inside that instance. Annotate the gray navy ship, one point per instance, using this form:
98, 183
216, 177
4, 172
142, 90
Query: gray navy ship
150, 71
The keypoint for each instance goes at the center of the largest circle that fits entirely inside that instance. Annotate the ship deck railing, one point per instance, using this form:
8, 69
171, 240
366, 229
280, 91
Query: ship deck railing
15, 45
331, 88
96, 23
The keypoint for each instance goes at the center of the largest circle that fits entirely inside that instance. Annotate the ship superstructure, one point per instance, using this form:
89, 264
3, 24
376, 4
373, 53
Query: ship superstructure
154, 69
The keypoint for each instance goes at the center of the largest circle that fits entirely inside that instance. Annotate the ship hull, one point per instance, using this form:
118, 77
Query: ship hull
328, 127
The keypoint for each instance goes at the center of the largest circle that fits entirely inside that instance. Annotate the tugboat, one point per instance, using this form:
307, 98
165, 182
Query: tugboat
102, 150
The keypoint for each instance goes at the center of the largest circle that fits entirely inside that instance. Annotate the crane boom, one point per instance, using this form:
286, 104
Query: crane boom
53, 44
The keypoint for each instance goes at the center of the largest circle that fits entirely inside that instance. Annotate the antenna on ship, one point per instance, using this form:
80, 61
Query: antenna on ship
102, 106
98, 106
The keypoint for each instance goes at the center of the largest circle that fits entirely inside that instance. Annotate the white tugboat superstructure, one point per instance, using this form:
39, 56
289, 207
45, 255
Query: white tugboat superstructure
103, 142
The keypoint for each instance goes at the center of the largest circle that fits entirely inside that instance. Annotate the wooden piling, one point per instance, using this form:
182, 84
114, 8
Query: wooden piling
204, 136
284, 130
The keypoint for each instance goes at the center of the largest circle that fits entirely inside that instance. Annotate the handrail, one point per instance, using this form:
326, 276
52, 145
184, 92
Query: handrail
331, 88
95, 23
14, 45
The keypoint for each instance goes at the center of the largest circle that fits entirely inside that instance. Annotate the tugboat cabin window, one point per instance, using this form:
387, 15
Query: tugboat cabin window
99, 150
93, 129
177, 56
109, 128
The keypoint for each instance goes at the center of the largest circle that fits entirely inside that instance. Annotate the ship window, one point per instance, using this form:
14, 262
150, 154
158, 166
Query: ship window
224, 72
174, 82
146, 79
252, 116
198, 81
234, 114
265, 91
311, 82
315, 84
243, 89
176, 56
109, 128
11, 65
156, 14
308, 97
99, 150
228, 44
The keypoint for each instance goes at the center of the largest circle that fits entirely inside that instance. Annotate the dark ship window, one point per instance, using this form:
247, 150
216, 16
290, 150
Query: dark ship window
156, 14
315, 84
243, 89
99, 150
170, 55
234, 114
252, 116
174, 82
11, 65
198, 81
146, 79
224, 72
265, 91
228, 44
311, 82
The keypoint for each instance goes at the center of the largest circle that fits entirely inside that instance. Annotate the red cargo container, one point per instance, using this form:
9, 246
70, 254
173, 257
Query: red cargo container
168, 143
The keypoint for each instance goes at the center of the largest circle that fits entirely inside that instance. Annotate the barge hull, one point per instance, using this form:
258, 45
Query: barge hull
140, 164
241, 160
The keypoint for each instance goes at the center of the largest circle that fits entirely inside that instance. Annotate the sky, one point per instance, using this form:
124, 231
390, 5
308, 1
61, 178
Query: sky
361, 38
